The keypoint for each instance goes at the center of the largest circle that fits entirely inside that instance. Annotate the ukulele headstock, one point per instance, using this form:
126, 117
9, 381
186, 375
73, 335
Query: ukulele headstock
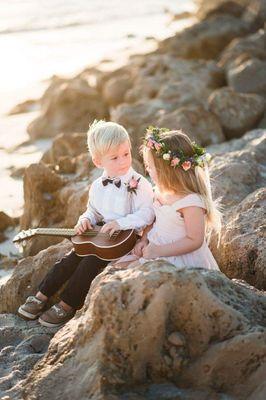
23, 235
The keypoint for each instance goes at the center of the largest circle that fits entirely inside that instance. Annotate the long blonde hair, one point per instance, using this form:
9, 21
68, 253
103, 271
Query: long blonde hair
194, 180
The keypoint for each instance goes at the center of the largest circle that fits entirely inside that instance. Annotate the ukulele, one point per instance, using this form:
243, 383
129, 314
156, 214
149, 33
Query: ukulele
92, 242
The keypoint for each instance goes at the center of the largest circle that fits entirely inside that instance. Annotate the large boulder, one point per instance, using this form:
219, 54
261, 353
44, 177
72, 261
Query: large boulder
41, 204
237, 112
244, 48
238, 176
211, 7
200, 124
27, 276
22, 344
243, 252
248, 77
205, 39
193, 329
67, 106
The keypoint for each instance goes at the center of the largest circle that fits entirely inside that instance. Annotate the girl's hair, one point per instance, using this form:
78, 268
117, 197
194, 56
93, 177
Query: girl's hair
194, 180
102, 136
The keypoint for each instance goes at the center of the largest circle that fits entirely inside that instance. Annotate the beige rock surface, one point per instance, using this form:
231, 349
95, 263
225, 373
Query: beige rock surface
200, 124
205, 39
67, 106
238, 174
237, 112
110, 344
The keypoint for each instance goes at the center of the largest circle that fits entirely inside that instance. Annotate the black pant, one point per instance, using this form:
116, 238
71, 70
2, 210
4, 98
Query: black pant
80, 271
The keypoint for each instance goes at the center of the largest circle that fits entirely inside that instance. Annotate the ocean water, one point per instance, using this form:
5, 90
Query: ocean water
41, 38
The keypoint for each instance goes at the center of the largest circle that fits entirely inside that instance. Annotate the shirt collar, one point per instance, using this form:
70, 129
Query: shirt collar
124, 178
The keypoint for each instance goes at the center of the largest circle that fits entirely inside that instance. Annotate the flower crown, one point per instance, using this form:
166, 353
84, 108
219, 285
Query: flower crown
176, 158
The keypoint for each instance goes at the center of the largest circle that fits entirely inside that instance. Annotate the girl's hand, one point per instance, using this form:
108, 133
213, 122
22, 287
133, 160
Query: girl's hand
151, 251
110, 227
139, 246
83, 226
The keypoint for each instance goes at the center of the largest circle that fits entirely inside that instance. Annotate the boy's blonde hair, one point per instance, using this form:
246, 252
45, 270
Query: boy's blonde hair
102, 136
194, 180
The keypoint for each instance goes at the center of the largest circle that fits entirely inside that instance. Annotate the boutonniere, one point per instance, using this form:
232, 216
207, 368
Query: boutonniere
132, 185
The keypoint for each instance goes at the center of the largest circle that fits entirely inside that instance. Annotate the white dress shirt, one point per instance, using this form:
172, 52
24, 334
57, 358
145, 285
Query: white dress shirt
130, 210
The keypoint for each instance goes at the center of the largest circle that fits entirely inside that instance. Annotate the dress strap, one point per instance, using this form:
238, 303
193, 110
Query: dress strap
189, 201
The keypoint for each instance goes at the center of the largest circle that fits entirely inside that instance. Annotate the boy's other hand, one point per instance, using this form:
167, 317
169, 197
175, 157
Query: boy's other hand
110, 227
139, 246
83, 226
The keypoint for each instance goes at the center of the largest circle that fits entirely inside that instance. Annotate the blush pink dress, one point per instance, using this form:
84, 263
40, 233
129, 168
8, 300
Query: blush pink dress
169, 227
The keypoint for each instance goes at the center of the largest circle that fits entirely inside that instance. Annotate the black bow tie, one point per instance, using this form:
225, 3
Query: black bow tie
116, 181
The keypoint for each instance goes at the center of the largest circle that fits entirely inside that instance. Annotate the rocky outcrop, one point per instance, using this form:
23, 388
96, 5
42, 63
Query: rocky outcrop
205, 39
194, 330
200, 124
67, 106
237, 112
238, 174
27, 275
6, 221
22, 344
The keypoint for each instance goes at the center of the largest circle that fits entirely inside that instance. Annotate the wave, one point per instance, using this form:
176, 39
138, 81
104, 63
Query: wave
45, 28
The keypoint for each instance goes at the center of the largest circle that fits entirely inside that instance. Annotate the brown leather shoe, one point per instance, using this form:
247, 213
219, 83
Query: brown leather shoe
32, 308
56, 316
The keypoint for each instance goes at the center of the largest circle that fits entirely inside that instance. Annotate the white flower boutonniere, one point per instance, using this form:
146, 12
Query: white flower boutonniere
132, 185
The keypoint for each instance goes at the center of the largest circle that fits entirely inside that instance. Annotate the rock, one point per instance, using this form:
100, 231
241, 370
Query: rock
22, 344
6, 221
125, 114
27, 276
201, 125
65, 145
248, 77
255, 14
125, 322
206, 39
242, 49
238, 176
74, 196
236, 112
67, 106
41, 207
25, 106
243, 251
176, 81
210, 7
115, 89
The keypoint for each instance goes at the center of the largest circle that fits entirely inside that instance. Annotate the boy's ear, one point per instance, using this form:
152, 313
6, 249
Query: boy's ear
97, 162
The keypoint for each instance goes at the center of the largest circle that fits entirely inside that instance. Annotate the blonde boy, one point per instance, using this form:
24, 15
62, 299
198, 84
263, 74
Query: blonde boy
120, 199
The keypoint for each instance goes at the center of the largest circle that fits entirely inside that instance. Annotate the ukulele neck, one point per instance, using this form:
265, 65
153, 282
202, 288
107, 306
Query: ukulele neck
55, 232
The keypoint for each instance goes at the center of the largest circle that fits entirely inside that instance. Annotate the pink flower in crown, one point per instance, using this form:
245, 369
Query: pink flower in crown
157, 146
150, 143
186, 165
175, 161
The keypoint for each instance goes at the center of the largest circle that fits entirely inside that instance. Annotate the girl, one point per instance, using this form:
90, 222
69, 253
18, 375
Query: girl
185, 212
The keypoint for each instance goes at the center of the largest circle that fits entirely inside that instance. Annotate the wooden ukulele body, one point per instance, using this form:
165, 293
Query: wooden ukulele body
104, 247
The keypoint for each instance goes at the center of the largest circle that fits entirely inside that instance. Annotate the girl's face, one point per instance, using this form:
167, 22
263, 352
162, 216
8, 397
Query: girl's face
149, 165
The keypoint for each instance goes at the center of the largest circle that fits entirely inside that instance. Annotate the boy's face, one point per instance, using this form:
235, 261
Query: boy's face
116, 161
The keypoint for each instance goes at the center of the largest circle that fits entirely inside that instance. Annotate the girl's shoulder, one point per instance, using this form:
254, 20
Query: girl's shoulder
190, 200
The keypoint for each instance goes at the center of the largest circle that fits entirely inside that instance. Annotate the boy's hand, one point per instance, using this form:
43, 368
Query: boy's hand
139, 246
83, 226
110, 227
151, 251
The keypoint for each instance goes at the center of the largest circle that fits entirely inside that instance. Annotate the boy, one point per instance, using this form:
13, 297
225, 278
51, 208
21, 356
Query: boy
121, 198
